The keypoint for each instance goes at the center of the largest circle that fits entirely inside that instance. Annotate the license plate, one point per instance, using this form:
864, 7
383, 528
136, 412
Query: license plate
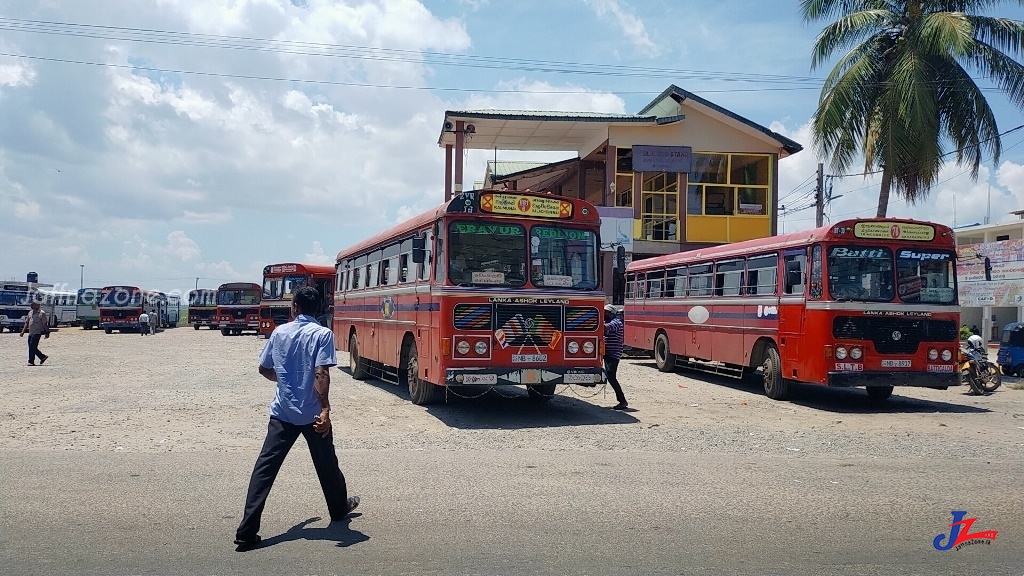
941, 368
895, 363
480, 379
578, 379
521, 358
849, 367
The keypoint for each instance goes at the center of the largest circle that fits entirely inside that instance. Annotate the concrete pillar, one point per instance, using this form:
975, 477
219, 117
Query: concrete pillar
986, 323
460, 142
447, 172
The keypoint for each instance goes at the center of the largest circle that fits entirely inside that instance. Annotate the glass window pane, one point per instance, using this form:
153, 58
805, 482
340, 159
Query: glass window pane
624, 161
710, 168
719, 200
749, 170
753, 201
695, 200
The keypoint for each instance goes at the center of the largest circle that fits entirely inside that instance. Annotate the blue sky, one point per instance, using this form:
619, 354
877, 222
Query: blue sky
156, 177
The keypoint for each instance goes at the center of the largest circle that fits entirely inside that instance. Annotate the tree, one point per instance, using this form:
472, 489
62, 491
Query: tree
903, 88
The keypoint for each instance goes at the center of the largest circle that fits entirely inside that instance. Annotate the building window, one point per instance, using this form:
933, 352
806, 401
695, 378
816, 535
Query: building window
659, 193
729, 184
624, 177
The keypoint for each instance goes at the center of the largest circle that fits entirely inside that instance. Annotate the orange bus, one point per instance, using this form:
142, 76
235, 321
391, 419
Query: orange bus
491, 288
238, 307
121, 306
280, 280
868, 303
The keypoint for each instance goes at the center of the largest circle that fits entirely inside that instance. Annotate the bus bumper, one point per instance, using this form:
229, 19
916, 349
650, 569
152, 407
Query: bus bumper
240, 326
527, 376
919, 379
121, 325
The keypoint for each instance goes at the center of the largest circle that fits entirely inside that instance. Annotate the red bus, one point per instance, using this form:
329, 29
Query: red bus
238, 307
121, 306
490, 288
280, 280
202, 308
868, 303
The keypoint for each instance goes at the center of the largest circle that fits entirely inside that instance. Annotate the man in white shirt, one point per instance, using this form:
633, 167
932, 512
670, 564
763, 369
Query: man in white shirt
37, 325
144, 321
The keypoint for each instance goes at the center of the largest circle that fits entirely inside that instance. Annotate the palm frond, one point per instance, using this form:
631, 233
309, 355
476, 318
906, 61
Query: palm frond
1002, 33
813, 10
848, 31
1000, 69
942, 33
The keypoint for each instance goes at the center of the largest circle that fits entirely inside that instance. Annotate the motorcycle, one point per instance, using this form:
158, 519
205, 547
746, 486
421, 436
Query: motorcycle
977, 372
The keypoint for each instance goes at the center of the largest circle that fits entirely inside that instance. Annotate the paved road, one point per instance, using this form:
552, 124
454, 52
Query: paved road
509, 512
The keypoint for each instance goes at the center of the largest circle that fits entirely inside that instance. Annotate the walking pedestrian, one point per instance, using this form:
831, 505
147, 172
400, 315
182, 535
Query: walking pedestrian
144, 322
37, 324
613, 352
298, 356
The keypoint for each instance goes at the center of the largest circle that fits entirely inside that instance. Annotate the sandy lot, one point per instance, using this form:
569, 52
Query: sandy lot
185, 390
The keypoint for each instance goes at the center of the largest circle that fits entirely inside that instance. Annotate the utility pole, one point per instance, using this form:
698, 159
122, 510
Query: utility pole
819, 198
197, 282
81, 283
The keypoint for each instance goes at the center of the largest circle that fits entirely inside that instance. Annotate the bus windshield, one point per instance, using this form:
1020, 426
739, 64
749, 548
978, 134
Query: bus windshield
88, 297
860, 273
8, 298
482, 253
563, 257
120, 298
202, 298
926, 276
240, 297
281, 286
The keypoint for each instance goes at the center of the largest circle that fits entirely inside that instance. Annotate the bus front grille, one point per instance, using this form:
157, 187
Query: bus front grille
528, 324
243, 313
893, 335
472, 316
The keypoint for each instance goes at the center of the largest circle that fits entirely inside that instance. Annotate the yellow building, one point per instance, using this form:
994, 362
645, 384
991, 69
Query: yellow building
682, 173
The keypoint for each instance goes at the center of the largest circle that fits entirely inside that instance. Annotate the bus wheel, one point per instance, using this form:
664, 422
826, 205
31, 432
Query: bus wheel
540, 392
108, 330
663, 358
225, 332
775, 386
355, 364
420, 392
879, 393
196, 326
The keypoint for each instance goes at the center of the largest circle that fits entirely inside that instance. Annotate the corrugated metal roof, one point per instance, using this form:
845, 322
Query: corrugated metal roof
505, 167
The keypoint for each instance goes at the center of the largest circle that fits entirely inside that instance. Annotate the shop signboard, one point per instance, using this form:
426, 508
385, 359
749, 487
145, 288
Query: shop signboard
662, 158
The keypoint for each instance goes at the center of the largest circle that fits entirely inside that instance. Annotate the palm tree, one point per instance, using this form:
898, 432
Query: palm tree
903, 88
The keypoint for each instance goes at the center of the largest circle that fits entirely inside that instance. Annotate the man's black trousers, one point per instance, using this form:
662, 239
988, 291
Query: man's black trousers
280, 437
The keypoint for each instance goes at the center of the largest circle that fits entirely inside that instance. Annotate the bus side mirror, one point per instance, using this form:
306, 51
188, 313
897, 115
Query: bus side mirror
419, 250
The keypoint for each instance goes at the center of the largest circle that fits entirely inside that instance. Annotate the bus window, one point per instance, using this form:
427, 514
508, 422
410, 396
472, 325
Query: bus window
439, 259
654, 282
670, 283
856, 273
355, 279
385, 272
795, 267
762, 274
630, 285
403, 268
816, 287
700, 280
680, 282
728, 278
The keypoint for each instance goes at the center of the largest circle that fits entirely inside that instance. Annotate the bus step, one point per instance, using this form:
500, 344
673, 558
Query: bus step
714, 368
382, 372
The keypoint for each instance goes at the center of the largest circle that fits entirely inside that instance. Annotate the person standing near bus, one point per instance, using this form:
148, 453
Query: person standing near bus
37, 324
144, 323
298, 356
613, 352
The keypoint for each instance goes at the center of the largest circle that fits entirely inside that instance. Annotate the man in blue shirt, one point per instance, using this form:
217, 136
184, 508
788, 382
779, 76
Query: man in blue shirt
613, 352
298, 356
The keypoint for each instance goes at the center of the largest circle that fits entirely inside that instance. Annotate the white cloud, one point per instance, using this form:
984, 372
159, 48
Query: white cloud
628, 22
27, 210
317, 256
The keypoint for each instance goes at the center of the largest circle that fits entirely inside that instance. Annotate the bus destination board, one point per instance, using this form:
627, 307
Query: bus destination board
520, 205
894, 231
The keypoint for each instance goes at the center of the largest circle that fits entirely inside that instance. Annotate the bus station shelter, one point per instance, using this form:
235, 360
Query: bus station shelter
682, 173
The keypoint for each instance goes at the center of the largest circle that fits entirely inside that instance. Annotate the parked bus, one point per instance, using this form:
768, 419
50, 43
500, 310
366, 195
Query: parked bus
868, 303
173, 312
280, 280
238, 307
202, 308
121, 306
88, 308
491, 288
62, 307
15, 302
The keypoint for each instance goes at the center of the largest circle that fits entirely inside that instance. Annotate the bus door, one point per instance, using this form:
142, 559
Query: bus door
791, 309
325, 312
429, 311
420, 267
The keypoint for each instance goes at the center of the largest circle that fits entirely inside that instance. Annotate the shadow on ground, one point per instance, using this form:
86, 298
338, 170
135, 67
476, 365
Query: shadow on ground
510, 407
338, 532
840, 400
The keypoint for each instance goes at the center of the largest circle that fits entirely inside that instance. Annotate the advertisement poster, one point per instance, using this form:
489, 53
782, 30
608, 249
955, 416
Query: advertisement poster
1007, 285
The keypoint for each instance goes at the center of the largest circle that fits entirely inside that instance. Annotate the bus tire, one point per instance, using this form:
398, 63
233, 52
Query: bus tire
420, 391
225, 332
196, 326
540, 392
664, 359
775, 386
355, 363
879, 393
108, 330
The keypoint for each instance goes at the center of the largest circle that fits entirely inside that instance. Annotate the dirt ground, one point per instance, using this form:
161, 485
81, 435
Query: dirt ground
186, 390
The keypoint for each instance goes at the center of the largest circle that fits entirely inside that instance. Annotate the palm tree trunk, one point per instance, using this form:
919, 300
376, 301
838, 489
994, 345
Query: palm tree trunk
883, 193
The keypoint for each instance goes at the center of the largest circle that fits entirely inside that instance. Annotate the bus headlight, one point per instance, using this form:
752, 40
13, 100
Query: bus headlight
856, 353
947, 355
573, 347
840, 353
588, 347
933, 354
462, 347
481, 347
